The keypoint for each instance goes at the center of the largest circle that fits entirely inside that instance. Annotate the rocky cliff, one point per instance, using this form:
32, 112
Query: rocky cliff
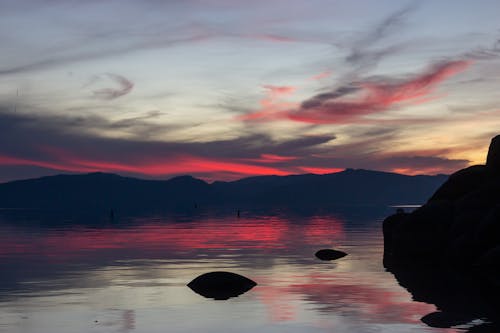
459, 226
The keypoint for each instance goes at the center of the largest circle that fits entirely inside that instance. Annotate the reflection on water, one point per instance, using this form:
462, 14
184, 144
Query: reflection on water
131, 275
462, 298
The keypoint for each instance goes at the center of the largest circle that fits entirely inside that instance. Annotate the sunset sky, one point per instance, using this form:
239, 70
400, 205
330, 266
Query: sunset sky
224, 89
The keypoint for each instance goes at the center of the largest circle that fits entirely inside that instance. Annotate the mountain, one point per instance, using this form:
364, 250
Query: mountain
97, 191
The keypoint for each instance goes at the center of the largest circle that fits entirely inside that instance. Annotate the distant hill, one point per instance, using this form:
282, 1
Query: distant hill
98, 191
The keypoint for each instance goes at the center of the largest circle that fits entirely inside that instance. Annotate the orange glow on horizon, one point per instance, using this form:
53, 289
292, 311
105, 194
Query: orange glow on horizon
321, 171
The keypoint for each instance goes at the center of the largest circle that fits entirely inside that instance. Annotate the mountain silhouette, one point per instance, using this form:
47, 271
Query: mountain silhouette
98, 191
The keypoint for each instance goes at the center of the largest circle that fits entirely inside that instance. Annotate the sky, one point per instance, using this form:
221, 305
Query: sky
226, 89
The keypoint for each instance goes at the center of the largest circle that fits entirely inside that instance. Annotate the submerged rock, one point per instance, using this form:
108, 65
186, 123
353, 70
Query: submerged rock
221, 285
329, 254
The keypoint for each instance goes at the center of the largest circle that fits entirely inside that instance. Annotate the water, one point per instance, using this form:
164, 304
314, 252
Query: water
61, 274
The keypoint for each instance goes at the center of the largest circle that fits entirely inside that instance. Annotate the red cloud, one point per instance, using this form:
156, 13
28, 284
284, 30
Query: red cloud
370, 97
174, 165
276, 158
182, 164
179, 164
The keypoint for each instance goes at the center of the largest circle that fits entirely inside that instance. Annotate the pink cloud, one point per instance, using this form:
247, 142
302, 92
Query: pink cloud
366, 98
320, 76
279, 91
272, 103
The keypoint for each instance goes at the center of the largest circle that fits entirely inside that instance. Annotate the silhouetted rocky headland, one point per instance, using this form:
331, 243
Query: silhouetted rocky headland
447, 252
458, 226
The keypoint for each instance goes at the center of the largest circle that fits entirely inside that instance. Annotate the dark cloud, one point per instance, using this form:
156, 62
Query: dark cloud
319, 99
388, 25
485, 53
363, 52
124, 87
41, 145
49, 141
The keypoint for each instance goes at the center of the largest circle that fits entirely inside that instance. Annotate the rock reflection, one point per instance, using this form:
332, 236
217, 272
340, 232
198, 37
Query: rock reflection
461, 298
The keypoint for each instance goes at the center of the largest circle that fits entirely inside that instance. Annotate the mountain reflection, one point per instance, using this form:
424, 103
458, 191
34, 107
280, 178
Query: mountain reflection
118, 270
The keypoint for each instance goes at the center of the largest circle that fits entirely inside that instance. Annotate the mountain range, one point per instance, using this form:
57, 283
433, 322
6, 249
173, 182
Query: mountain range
104, 191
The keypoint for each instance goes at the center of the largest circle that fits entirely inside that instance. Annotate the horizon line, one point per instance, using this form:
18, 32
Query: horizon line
214, 181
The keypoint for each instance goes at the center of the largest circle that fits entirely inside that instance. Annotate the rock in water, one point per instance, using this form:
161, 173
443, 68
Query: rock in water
329, 254
221, 285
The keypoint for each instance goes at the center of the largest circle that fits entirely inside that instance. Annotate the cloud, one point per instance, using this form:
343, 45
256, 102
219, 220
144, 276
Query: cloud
319, 99
124, 87
485, 53
391, 23
276, 158
51, 144
272, 38
279, 91
375, 151
272, 103
71, 144
62, 58
321, 75
349, 103
362, 55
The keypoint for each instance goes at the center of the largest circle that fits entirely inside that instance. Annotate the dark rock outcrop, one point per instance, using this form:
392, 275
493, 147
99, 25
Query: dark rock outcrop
221, 285
447, 252
459, 226
493, 159
329, 254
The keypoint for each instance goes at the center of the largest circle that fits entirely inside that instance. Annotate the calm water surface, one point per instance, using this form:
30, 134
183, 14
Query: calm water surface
130, 274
